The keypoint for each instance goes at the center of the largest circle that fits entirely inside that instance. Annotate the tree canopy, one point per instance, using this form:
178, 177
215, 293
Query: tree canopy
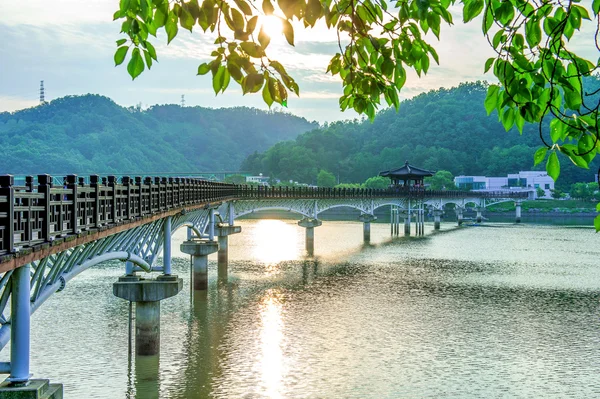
538, 75
92, 134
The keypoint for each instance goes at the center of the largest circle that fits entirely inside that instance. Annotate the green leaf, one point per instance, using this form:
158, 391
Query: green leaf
217, 80
598, 207
121, 42
266, 95
136, 64
151, 50
508, 118
533, 32
244, 7
596, 6
160, 16
203, 69
585, 144
267, 7
263, 38
171, 27
597, 223
553, 166
120, 55
539, 155
148, 59
288, 31
488, 64
472, 9
491, 99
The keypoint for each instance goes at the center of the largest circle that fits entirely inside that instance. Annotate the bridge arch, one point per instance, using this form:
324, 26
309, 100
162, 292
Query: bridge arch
381, 205
333, 206
272, 208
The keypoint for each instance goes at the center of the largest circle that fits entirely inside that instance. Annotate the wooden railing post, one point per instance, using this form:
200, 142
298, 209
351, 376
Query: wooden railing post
44, 186
71, 181
95, 184
126, 181
112, 183
6, 189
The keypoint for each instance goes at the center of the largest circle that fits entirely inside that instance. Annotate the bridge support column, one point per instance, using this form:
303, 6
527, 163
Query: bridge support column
366, 219
147, 295
479, 215
199, 250
223, 255
167, 248
310, 224
407, 223
437, 219
517, 211
459, 215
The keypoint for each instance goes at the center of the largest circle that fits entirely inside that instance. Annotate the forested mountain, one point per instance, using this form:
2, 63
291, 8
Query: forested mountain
442, 129
92, 134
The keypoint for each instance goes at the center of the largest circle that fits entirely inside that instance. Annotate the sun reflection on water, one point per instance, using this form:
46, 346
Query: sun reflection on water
272, 361
274, 242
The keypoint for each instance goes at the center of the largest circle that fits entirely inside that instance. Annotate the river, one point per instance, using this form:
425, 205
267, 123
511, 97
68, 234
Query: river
499, 310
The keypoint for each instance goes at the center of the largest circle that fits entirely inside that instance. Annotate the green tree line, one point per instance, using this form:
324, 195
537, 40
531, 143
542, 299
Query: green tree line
444, 129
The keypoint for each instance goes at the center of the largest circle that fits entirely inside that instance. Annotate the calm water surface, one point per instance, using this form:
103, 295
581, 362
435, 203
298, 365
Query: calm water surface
498, 311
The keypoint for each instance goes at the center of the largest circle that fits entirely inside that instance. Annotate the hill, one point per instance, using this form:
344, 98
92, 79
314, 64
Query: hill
92, 134
442, 129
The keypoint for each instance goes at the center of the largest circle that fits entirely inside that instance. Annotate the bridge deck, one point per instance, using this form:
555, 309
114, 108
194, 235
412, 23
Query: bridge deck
37, 220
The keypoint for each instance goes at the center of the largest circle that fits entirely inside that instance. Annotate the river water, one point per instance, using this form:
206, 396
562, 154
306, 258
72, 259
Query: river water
495, 311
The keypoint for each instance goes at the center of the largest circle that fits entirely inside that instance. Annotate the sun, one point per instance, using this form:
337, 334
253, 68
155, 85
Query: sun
272, 25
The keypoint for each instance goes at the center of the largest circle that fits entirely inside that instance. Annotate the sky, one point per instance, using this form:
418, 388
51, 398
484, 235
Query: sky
70, 45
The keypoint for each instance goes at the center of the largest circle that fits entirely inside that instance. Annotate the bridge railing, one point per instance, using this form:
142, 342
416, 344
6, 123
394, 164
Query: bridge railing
40, 211
31, 215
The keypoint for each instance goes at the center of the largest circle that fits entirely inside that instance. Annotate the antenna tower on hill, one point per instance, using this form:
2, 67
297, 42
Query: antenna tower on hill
183, 100
42, 93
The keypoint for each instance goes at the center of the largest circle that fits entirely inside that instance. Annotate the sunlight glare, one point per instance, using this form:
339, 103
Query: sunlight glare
272, 25
275, 241
272, 363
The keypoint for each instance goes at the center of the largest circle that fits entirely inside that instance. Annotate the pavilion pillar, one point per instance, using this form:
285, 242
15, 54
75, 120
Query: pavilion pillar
517, 211
479, 210
407, 223
366, 219
437, 219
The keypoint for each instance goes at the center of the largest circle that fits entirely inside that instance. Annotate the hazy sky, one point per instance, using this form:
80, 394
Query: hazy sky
70, 45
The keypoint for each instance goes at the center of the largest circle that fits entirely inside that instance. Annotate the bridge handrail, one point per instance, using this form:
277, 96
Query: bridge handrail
34, 215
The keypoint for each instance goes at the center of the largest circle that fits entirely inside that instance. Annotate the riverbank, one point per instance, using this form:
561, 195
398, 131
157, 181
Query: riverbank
549, 206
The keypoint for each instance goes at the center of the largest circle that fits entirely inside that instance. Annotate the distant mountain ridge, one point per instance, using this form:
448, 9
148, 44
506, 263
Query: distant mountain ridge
91, 133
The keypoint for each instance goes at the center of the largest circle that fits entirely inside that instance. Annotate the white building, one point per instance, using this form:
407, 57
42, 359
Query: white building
260, 179
522, 181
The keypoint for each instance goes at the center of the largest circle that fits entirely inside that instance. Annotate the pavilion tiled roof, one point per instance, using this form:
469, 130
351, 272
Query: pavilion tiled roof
407, 171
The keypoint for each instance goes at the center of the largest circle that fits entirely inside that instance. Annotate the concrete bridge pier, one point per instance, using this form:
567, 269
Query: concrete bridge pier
199, 251
479, 210
366, 219
517, 211
437, 219
147, 295
459, 215
223, 233
19, 385
309, 224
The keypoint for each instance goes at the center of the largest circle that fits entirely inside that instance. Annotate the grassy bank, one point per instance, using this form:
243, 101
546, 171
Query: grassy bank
549, 205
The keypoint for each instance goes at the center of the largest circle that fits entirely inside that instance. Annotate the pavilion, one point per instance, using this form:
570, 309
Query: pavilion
403, 176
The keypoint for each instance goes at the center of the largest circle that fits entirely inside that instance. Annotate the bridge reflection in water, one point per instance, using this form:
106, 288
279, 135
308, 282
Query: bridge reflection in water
49, 234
